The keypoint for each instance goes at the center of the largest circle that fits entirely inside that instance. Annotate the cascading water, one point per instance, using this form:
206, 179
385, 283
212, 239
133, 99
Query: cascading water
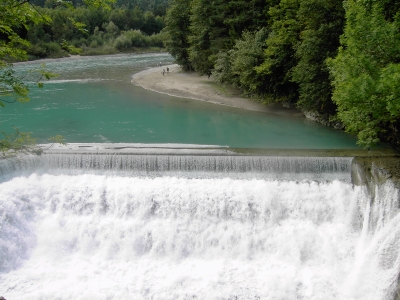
153, 165
185, 227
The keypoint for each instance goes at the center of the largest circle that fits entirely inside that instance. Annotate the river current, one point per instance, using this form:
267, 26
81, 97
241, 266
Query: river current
93, 101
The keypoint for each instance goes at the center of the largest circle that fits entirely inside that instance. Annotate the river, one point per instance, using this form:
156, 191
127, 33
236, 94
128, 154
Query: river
93, 100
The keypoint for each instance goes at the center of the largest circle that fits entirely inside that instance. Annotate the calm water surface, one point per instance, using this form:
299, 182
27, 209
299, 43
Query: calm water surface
93, 100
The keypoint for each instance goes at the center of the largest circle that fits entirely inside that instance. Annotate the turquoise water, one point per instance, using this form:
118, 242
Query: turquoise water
93, 100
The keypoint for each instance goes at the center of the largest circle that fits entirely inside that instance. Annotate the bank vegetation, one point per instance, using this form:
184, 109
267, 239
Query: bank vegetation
338, 61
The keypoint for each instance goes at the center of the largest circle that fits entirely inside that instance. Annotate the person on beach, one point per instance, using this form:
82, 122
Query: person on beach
167, 70
163, 72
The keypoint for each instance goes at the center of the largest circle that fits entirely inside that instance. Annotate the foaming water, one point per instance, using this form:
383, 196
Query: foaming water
111, 237
169, 238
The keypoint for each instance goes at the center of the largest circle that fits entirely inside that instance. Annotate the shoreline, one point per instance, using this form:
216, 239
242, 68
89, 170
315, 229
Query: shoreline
190, 85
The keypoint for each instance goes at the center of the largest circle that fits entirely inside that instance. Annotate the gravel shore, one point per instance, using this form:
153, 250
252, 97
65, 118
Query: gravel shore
190, 85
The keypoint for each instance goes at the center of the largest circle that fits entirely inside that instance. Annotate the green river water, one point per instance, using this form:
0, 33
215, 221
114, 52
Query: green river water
93, 101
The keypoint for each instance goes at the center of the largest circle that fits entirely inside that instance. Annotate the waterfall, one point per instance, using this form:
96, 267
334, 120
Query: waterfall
237, 166
378, 250
162, 226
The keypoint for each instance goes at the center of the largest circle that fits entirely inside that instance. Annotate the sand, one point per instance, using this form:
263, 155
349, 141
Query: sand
193, 86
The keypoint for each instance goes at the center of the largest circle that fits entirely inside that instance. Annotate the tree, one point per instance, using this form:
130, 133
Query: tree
119, 17
319, 39
177, 32
366, 73
377, 62
152, 24
209, 34
237, 66
279, 55
215, 26
135, 18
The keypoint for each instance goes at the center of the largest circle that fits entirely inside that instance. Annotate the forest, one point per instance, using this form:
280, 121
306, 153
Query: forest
128, 26
337, 61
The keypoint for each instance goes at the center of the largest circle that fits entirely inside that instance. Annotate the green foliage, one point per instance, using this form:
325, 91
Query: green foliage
17, 142
92, 31
223, 68
70, 48
177, 32
366, 73
111, 30
237, 66
14, 88
152, 24
102, 50
206, 30
57, 139
245, 15
279, 56
15, 16
136, 39
247, 54
319, 39
215, 26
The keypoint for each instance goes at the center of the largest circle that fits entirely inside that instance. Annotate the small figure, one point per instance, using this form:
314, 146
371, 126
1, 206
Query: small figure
167, 70
163, 71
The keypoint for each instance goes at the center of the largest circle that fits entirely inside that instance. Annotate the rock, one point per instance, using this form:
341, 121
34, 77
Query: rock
323, 119
373, 171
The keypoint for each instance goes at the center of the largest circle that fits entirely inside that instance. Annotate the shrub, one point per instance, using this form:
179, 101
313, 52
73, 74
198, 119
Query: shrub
54, 50
93, 44
122, 43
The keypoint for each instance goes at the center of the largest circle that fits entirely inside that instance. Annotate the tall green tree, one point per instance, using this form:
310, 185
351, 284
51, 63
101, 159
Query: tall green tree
177, 32
279, 56
151, 23
209, 34
215, 26
245, 15
366, 73
237, 66
322, 24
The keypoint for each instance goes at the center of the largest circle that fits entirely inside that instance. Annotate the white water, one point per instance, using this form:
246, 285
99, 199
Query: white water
109, 237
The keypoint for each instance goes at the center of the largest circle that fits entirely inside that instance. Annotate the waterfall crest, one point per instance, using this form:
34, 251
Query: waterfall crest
236, 166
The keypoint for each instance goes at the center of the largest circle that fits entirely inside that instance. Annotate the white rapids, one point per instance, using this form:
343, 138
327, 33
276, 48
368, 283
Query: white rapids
206, 226
110, 237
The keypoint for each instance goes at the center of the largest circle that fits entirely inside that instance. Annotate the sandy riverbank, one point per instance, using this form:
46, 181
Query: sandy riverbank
190, 85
